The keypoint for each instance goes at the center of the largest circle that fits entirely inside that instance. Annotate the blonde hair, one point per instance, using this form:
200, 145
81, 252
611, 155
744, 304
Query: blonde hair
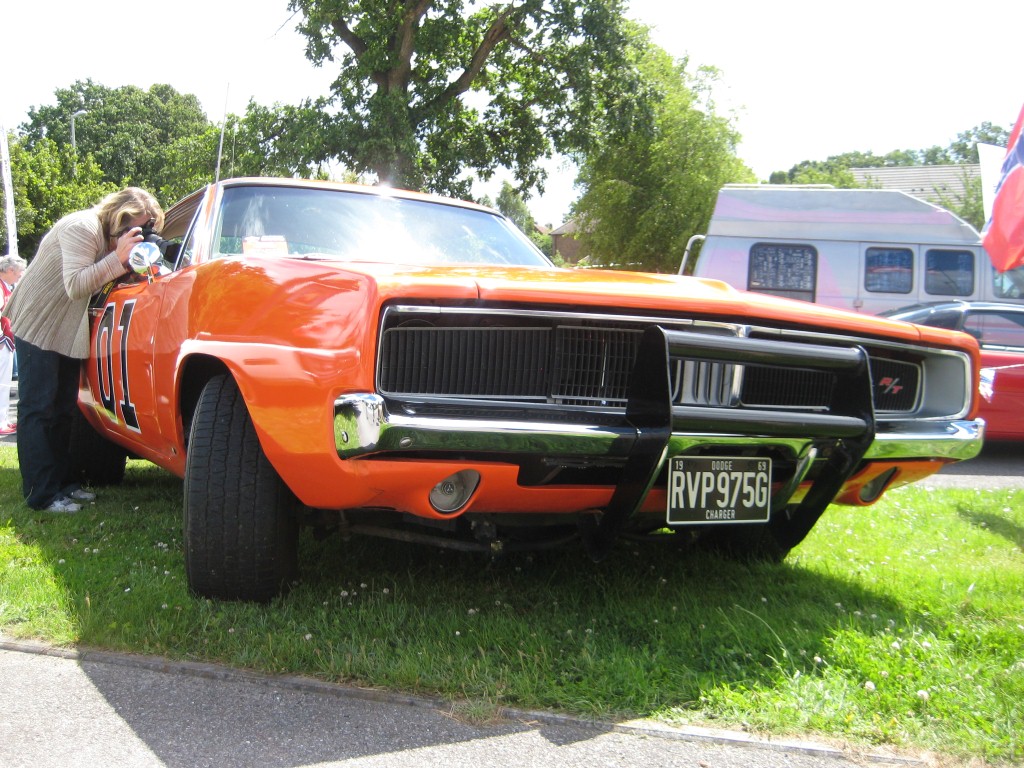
117, 209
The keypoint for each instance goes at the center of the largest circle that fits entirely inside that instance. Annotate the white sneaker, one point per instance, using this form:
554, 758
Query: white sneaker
80, 494
62, 505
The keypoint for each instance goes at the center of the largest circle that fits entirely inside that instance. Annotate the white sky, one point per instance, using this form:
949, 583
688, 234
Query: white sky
805, 78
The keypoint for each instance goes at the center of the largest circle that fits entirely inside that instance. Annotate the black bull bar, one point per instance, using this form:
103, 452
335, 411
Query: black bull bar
848, 428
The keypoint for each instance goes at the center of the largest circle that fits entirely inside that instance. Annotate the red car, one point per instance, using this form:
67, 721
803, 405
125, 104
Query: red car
999, 329
394, 364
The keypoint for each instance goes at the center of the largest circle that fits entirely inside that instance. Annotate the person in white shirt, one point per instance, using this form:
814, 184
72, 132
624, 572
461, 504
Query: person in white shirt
11, 268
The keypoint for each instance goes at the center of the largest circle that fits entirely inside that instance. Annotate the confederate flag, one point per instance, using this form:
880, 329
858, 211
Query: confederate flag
1003, 236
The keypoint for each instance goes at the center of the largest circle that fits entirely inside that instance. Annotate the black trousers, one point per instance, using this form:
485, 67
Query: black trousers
47, 400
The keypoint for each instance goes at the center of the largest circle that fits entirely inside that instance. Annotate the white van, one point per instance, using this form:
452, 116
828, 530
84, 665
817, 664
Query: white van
868, 250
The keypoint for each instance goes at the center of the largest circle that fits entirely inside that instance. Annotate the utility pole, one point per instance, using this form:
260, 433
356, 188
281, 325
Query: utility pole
12, 227
74, 146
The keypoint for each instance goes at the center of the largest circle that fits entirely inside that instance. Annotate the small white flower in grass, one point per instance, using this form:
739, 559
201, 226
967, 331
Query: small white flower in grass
61, 561
923, 695
869, 686
926, 645
344, 593
457, 633
127, 589
883, 673
231, 631
839, 606
764, 599
362, 586
307, 636
387, 591
472, 611
818, 660
164, 606
895, 645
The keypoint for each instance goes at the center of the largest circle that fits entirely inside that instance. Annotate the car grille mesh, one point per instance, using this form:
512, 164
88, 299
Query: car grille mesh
587, 366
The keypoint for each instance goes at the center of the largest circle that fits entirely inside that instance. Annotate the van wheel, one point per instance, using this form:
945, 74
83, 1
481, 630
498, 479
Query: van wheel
240, 519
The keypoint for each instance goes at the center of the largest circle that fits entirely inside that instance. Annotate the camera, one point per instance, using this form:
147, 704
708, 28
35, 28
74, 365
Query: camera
149, 235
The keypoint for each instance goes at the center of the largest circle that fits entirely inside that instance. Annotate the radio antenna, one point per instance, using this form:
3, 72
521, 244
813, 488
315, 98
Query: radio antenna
223, 125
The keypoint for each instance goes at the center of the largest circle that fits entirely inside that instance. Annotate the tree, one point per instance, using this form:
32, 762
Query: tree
45, 188
646, 191
511, 203
430, 89
127, 131
963, 149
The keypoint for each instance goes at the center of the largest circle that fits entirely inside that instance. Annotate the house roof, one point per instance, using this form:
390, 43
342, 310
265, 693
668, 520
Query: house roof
568, 228
934, 183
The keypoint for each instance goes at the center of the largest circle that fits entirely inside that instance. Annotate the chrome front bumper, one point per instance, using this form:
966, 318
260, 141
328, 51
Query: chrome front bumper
363, 426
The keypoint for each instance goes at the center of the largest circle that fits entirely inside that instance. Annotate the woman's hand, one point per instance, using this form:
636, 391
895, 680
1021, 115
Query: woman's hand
128, 240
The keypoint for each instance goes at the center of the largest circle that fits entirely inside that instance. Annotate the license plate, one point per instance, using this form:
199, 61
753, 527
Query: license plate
718, 490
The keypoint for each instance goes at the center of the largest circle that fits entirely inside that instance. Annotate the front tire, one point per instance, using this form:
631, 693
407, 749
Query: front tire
240, 519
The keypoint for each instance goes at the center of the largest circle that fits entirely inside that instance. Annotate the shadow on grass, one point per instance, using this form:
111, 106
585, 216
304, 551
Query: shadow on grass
1000, 526
648, 629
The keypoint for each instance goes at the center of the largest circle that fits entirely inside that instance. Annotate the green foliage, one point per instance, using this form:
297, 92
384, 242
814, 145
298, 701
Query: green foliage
544, 242
511, 203
969, 206
48, 183
835, 169
127, 131
649, 185
427, 91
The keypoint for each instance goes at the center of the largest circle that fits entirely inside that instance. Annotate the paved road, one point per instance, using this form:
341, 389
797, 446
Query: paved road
999, 465
62, 709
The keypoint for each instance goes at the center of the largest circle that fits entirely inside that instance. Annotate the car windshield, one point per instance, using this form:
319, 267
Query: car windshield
355, 226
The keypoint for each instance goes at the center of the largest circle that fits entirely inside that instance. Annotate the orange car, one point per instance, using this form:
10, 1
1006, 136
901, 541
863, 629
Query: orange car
408, 366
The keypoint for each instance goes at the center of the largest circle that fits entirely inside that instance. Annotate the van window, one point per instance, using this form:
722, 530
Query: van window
1008, 284
782, 269
949, 273
889, 270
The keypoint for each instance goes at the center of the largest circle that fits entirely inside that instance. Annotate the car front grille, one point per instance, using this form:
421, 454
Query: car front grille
590, 365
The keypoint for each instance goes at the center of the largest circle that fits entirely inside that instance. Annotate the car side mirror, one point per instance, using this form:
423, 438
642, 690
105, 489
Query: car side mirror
145, 259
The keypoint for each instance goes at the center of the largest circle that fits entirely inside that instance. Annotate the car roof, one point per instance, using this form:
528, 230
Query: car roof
954, 305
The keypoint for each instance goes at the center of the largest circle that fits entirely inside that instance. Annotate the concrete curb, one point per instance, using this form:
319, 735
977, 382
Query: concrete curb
319, 687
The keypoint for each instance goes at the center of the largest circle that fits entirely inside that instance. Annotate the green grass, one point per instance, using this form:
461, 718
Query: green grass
900, 624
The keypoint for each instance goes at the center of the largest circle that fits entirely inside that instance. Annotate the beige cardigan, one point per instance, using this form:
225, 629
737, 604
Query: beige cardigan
50, 304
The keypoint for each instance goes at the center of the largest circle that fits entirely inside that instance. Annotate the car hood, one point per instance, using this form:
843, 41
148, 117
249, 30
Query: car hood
640, 292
